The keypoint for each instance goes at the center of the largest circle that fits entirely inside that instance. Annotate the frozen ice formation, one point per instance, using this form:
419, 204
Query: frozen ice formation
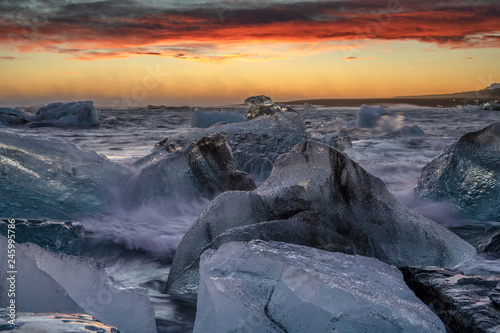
45, 177
317, 196
27, 322
56, 236
255, 144
74, 114
279, 287
48, 282
13, 117
490, 245
264, 106
464, 303
204, 119
490, 106
467, 174
368, 116
203, 167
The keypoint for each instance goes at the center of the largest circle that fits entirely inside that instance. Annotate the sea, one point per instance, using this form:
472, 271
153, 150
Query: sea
137, 247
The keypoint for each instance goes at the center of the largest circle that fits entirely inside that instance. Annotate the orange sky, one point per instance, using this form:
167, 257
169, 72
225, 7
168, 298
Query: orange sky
132, 53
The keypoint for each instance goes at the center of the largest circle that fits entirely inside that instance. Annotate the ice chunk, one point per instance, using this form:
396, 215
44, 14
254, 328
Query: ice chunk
464, 303
467, 174
204, 167
255, 144
368, 116
48, 282
12, 117
278, 287
27, 322
52, 178
203, 119
74, 114
348, 210
406, 130
56, 236
490, 106
264, 106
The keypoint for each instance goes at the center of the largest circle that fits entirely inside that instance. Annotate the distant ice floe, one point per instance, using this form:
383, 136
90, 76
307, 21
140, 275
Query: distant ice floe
271, 286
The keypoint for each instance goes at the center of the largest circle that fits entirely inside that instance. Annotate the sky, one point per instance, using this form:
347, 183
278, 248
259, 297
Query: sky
130, 53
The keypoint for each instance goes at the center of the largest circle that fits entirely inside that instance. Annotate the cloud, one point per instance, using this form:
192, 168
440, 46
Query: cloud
218, 30
356, 58
8, 58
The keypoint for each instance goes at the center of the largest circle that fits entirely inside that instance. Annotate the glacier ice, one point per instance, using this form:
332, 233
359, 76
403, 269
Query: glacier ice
48, 282
28, 322
202, 119
44, 177
56, 236
279, 287
13, 117
264, 106
255, 144
467, 174
332, 204
74, 114
203, 167
490, 106
368, 116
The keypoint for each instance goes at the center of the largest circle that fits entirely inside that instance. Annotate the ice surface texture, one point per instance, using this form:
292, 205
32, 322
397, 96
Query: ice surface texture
55, 323
464, 303
74, 114
203, 119
279, 287
56, 236
467, 174
48, 282
317, 196
203, 167
52, 178
255, 144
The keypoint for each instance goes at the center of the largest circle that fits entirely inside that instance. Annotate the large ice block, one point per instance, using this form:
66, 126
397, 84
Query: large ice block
74, 114
279, 287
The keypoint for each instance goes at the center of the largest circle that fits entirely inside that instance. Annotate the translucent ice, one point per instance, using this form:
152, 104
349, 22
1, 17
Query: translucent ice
490, 106
368, 116
317, 196
264, 106
255, 144
52, 178
203, 119
75, 114
48, 282
57, 236
467, 174
278, 287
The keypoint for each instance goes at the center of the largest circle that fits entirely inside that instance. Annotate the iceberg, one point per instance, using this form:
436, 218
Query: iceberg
202, 119
27, 322
48, 282
13, 117
264, 106
467, 174
317, 196
56, 236
74, 114
490, 106
255, 144
279, 287
464, 303
44, 177
203, 167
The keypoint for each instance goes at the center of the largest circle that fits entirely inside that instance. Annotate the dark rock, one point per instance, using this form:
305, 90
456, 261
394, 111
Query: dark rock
490, 245
56, 236
467, 174
464, 303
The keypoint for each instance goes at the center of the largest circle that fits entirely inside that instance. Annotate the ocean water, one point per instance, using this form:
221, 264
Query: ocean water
137, 246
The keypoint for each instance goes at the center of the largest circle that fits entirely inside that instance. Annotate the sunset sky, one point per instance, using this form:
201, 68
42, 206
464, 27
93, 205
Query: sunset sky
193, 52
